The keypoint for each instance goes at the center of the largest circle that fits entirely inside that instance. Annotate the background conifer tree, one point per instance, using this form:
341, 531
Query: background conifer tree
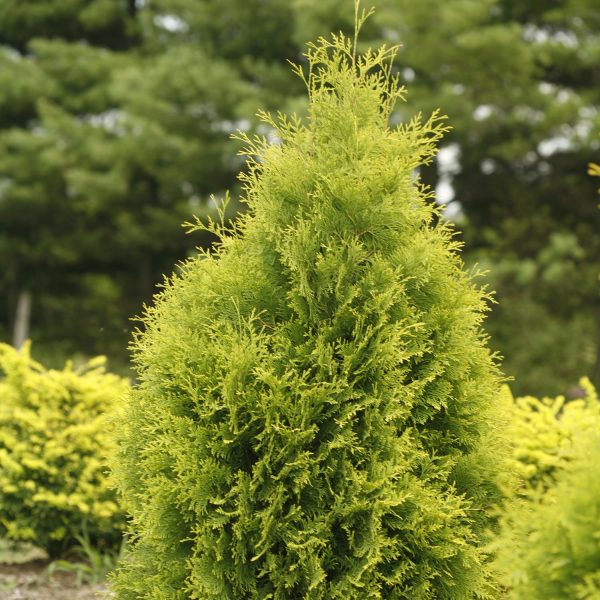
114, 128
314, 412
110, 137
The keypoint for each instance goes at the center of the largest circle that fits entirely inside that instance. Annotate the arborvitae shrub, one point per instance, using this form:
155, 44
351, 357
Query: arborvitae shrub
313, 414
550, 543
542, 433
54, 439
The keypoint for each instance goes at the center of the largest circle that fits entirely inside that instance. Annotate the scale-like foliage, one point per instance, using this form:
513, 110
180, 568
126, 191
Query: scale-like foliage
313, 418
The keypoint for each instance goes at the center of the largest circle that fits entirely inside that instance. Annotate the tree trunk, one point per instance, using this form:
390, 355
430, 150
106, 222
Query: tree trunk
595, 375
22, 318
146, 280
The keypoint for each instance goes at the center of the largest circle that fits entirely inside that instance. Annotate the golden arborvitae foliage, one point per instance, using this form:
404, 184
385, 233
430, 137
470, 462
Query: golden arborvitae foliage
315, 410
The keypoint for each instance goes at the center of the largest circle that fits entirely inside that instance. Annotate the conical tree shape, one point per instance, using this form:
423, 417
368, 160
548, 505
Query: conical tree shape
313, 413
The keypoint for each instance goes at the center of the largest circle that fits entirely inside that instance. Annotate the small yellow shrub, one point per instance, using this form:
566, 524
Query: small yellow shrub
543, 431
54, 437
548, 546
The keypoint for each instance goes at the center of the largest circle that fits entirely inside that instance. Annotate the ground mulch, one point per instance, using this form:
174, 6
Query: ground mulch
24, 576
29, 581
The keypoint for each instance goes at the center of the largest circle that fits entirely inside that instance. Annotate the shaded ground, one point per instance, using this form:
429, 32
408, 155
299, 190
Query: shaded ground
29, 581
24, 576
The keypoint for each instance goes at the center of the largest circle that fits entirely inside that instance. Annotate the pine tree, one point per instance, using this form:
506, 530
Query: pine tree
109, 135
314, 414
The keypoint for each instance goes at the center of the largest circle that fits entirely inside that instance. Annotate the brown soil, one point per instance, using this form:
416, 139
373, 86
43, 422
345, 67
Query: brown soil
30, 581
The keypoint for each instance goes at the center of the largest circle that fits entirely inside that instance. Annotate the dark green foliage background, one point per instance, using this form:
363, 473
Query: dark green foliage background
114, 128
316, 408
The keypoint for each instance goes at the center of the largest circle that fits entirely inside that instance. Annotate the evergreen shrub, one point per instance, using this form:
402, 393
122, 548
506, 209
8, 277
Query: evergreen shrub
542, 433
550, 543
315, 410
54, 439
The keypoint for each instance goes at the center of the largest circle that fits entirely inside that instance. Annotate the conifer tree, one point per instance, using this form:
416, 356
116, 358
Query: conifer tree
314, 413
108, 137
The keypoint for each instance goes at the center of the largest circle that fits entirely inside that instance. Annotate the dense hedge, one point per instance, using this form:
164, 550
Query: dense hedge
54, 438
314, 417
